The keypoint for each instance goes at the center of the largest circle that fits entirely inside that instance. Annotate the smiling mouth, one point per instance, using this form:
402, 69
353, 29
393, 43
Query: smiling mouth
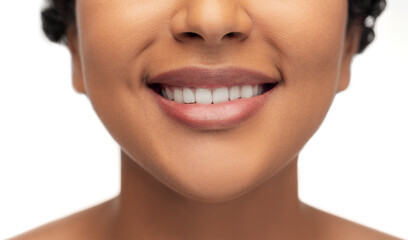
189, 95
211, 99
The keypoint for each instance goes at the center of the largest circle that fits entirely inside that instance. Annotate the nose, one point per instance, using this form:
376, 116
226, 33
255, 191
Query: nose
211, 22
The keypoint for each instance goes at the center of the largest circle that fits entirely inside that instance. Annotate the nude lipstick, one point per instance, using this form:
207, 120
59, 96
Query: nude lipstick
211, 98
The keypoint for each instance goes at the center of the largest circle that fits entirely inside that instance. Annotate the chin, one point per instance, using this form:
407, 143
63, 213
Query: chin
211, 192
219, 178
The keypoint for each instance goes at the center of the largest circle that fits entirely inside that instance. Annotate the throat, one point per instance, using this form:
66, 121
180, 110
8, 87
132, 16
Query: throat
148, 208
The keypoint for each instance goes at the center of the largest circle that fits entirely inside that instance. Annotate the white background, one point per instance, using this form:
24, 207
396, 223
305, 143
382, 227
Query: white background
56, 158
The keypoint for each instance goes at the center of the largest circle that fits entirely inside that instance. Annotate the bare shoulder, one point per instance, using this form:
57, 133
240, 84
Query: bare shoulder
92, 223
334, 227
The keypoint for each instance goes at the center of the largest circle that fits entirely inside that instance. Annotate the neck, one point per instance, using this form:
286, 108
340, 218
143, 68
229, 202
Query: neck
149, 209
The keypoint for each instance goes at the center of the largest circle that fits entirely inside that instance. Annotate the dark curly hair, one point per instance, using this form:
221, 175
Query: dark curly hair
59, 14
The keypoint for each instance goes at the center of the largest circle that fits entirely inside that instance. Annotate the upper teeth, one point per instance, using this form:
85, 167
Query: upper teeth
206, 96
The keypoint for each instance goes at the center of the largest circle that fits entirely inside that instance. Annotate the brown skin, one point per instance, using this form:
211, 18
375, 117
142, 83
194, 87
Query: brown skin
237, 183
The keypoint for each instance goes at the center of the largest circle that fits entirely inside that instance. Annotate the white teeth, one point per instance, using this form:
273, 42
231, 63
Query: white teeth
255, 90
246, 91
220, 95
234, 93
178, 95
169, 94
188, 95
203, 96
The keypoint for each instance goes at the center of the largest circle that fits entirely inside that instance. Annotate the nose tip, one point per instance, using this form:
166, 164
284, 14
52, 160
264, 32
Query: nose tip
211, 22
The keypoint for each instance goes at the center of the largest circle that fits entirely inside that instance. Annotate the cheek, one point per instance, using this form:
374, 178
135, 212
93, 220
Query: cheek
113, 35
309, 39
306, 33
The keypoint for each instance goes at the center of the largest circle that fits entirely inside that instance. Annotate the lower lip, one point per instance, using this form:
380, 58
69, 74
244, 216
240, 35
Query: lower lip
212, 116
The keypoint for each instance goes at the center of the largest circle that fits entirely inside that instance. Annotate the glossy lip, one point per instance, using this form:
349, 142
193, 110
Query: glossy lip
212, 116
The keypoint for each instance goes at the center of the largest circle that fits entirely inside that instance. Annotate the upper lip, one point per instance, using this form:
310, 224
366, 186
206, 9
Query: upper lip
211, 77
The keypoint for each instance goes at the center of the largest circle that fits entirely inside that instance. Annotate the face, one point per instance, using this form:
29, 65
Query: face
119, 48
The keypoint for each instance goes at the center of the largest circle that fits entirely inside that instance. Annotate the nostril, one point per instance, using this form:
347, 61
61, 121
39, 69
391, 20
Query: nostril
191, 35
235, 35
187, 36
